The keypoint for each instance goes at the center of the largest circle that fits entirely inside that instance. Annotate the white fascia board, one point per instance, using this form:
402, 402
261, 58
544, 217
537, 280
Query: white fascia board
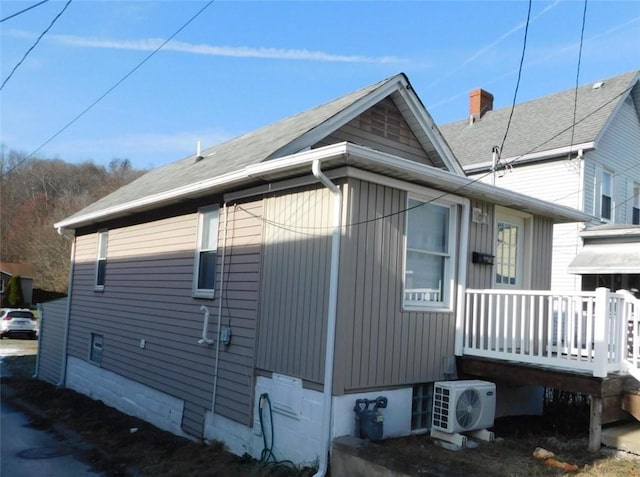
630, 231
431, 129
531, 157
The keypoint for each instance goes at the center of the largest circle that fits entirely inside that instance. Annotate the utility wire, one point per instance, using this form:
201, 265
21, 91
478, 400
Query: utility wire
23, 11
118, 83
35, 44
515, 94
575, 96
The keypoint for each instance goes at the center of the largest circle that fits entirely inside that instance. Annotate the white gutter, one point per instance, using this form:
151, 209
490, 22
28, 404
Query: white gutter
205, 186
224, 250
332, 313
205, 326
65, 340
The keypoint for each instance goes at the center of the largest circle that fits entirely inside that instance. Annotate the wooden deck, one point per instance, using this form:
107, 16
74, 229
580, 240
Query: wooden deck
607, 393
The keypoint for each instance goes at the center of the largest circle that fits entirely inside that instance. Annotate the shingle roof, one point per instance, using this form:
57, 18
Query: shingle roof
251, 148
542, 124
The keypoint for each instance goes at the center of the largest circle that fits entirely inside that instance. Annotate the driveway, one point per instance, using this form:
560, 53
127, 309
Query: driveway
25, 450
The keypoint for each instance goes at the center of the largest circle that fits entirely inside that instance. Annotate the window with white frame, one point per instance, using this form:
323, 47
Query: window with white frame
95, 352
606, 195
101, 259
206, 253
430, 242
507, 251
635, 208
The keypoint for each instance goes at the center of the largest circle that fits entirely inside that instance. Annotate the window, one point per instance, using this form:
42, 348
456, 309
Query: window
606, 194
507, 267
421, 406
428, 262
101, 260
95, 353
513, 248
635, 209
206, 253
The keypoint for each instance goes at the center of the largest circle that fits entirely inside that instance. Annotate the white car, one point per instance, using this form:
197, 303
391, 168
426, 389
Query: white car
18, 321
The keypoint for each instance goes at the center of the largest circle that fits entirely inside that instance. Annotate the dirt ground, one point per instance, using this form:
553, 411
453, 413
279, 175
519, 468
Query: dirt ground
114, 449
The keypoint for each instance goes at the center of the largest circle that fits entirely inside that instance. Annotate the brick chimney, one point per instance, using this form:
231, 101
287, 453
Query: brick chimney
480, 101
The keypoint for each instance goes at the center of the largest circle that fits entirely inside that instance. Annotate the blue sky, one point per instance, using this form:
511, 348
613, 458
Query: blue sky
242, 65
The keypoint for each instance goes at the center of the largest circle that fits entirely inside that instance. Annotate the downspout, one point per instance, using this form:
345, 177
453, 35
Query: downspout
65, 340
331, 317
224, 250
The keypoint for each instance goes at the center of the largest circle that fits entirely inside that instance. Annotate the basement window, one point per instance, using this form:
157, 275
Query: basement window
95, 352
421, 407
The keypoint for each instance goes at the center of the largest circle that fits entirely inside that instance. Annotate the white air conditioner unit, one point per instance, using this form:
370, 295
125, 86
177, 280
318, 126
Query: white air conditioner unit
462, 406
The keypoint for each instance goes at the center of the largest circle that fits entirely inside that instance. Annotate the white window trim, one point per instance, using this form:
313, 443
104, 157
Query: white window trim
524, 243
203, 292
451, 261
635, 199
103, 234
612, 196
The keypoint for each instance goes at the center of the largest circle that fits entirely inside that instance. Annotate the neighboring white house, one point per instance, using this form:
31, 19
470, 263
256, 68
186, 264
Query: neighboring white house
592, 164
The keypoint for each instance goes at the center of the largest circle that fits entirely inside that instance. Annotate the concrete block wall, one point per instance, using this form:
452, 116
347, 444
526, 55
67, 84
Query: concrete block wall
127, 396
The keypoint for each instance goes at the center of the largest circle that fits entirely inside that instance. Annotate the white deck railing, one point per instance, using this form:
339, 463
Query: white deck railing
598, 332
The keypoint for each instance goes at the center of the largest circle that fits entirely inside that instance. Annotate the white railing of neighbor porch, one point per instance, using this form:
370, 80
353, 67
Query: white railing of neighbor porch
585, 331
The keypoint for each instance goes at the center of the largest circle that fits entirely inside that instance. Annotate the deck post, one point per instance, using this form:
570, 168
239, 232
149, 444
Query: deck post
595, 424
600, 348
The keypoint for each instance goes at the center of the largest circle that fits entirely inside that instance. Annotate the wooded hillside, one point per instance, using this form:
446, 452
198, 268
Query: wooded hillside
36, 193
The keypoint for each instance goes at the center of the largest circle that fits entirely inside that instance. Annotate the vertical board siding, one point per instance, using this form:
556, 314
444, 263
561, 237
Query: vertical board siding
378, 343
52, 330
148, 295
296, 260
481, 240
367, 131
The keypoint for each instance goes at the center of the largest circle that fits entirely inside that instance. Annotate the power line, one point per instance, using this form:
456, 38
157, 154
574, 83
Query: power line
515, 94
118, 83
575, 97
23, 11
36, 43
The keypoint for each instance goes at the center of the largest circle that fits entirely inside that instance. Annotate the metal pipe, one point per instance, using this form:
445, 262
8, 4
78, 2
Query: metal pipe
332, 313
205, 326
224, 249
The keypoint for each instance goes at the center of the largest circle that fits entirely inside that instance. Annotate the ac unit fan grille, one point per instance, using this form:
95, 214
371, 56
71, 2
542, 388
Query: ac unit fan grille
468, 408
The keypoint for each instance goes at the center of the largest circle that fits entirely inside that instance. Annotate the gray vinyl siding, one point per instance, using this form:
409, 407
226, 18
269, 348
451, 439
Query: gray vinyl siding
619, 152
148, 295
378, 344
363, 131
51, 354
293, 308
